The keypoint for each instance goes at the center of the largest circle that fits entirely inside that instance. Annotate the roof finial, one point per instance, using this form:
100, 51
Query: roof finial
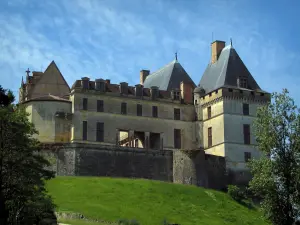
27, 71
22, 83
230, 42
176, 56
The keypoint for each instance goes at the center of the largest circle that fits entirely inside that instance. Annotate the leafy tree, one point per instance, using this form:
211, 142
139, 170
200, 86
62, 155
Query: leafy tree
23, 199
276, 175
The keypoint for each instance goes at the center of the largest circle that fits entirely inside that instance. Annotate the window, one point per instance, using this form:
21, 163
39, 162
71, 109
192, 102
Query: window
100, 107
177, 138
154, 111
100, 132
124, 108
246, 109
246, 134
209, 112
85, 104
84, 130
209, 141
247, 156
139, 110
136, 143
176, 95
176, 114
243, 82
195, 102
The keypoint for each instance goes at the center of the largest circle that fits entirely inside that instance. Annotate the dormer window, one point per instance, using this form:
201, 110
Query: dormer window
176, 95
242, 82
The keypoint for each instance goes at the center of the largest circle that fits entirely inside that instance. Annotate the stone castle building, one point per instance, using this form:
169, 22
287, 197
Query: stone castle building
165, 128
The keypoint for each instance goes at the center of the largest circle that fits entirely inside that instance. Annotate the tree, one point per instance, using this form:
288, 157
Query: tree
23, 198
276, 175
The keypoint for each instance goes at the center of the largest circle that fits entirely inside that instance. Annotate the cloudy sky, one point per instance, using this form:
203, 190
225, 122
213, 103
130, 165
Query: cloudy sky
115, 39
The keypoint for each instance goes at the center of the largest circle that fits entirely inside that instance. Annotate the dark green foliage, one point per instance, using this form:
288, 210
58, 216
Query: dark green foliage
276, 176
235, 193
22, 174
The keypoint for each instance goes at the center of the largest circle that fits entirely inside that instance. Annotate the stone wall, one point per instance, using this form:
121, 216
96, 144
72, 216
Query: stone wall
186, 167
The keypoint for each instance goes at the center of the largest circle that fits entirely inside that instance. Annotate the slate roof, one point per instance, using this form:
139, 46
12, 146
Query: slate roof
226, 71
168, 77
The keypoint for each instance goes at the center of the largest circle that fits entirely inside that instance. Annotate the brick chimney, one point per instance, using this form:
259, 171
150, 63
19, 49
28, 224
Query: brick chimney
186, 90
143, 75
216, 48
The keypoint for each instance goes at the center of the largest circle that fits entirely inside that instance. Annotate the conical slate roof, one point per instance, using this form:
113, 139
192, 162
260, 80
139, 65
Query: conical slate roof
169, 77
226, 71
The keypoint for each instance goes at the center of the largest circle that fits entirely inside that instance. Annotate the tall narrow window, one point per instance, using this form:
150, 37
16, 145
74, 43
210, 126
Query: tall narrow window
209, 141
247, 156
84, 130
209, 112
177, 138
246, 109
176, 114
85, 104
154, 111
136, 143
100, 132
124, 108
246, 134
100, 106
139, 110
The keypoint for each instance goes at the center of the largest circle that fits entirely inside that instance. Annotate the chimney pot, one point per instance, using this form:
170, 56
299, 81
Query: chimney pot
143, 75
216, 49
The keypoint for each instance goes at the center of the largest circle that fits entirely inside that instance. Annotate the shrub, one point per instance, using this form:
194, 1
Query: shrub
235, 193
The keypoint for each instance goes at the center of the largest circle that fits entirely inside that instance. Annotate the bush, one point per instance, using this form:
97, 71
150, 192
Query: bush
235, 193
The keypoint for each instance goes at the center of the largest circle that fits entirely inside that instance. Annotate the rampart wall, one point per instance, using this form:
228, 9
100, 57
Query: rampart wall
186, 167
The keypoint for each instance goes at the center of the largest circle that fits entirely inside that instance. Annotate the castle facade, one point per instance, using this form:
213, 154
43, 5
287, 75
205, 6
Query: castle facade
166, 113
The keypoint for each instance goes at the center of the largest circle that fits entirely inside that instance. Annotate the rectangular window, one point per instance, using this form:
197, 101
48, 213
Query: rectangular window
136, 143
139, 110
176, 114
246, 109
209, 112
100, 106
84, 130
124, 108
100, 132
246, 134
247, 156
243, 82
176, 95
209, 141
154, 111
177, 138
85, 104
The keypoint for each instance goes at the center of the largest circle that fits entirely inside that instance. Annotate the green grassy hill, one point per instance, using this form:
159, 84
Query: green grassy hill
149, 202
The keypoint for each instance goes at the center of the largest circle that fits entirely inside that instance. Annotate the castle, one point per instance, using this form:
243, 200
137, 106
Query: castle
164, 128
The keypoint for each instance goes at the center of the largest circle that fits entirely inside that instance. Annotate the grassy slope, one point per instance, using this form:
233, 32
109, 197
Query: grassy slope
149, 202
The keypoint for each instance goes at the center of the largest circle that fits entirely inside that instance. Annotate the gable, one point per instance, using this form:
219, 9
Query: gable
51, 82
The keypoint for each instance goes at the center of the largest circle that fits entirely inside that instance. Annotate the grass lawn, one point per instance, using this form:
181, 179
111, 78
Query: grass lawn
149, 202
80, 222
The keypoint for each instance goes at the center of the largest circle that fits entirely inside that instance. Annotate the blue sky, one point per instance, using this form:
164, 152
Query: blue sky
115, 39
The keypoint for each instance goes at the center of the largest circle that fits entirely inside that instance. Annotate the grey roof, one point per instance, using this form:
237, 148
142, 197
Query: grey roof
169, 77
225, 72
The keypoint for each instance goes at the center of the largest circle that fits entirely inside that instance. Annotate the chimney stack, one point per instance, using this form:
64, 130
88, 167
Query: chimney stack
143, 75
216, 48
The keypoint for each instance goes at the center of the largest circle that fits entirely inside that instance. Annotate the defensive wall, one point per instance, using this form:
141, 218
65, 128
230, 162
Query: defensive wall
186, 167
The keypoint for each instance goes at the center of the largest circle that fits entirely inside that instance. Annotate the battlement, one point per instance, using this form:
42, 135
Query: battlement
236, 93
181, 95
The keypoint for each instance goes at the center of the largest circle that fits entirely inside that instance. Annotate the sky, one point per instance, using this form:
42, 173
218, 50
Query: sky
115, 39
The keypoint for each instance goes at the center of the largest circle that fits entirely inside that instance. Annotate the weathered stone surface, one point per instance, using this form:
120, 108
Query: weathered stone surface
186, 167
